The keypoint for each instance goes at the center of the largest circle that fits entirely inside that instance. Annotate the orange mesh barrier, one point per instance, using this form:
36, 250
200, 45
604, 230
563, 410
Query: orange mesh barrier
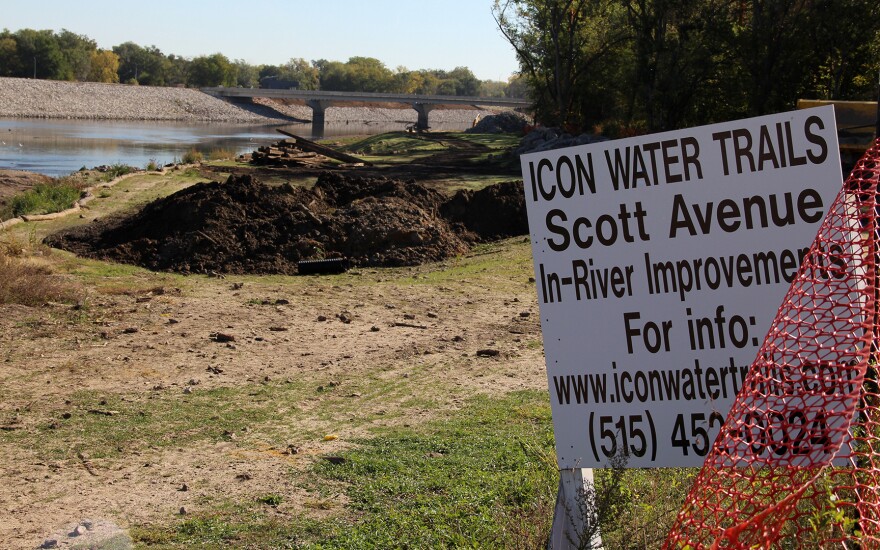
797, 462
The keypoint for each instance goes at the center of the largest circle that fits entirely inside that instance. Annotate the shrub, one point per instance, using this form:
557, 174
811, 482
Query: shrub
192, 156
152, 166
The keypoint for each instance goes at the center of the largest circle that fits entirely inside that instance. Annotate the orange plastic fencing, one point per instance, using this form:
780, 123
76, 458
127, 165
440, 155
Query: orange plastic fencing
797, 462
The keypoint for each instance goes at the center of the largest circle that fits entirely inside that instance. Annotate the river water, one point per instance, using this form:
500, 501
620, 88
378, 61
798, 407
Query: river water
59, 147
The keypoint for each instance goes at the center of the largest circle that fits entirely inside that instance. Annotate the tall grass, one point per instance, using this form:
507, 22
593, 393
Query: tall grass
192, 156
221, 154
26, 281
43, 198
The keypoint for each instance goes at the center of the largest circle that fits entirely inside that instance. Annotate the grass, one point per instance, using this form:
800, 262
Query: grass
43, 198
220, 154
117, 170
192, 156
482, 478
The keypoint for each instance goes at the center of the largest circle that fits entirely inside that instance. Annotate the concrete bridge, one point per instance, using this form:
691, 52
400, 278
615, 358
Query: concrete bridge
319, 101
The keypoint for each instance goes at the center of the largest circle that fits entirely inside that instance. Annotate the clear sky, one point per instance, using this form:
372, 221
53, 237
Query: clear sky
416, 34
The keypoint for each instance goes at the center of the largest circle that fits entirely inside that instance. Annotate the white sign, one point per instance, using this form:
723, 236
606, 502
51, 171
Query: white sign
660, 263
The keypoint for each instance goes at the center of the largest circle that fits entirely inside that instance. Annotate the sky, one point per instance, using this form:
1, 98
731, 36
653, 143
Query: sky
416, 34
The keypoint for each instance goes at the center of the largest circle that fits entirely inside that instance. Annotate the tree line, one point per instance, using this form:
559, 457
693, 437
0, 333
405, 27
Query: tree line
65, 55
631, 66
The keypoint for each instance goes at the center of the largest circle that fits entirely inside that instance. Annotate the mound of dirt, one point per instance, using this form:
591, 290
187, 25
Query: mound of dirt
495, 212
244, 226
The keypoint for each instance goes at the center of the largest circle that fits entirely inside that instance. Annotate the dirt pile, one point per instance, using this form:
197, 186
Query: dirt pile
495, 212
244, 226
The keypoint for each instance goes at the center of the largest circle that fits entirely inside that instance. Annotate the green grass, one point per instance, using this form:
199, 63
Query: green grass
43, 198
484, 477
117, 170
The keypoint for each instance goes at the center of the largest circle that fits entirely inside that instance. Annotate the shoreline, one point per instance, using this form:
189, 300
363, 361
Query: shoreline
22, 98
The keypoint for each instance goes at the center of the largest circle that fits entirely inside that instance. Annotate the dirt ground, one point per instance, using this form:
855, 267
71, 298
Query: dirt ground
347, 353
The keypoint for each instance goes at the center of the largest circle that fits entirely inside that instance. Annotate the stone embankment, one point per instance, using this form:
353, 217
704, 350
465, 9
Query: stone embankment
27, 98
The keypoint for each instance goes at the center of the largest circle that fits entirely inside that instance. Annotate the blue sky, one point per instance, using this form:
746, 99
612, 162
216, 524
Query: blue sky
416, 34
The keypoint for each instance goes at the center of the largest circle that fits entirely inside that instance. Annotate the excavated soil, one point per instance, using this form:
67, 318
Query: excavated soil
244, 226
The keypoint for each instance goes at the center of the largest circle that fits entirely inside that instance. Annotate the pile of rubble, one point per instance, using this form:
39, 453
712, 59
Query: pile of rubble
507, 122
285, 154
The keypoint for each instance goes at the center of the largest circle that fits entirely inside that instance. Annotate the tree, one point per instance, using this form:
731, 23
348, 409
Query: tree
299, 70
147, 66
212, 70
465, 82
9, 65
39, 55
517, 86
104, 66
77, 50
559, 44
677, 45
493, 88
848, 59
358, 74
246, 75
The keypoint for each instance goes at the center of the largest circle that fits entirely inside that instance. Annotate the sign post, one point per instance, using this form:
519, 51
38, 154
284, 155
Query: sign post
660, 262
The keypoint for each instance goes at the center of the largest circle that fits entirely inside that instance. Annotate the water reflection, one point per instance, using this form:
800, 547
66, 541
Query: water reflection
59, 147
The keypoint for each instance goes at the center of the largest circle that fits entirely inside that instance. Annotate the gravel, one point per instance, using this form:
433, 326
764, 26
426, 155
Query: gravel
27, 98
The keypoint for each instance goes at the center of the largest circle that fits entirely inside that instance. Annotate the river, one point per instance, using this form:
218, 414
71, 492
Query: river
58, 147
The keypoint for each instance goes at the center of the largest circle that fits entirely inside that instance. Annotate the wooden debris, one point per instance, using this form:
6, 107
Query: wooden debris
298, 152
307, 145
286, 153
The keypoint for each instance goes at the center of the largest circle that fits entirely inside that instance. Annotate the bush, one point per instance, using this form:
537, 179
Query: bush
192, 156
152, 166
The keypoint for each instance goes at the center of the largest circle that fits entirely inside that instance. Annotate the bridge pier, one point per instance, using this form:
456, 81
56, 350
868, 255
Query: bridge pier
423, 109
319, 106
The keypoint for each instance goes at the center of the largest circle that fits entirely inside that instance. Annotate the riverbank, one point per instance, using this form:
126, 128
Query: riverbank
27, 98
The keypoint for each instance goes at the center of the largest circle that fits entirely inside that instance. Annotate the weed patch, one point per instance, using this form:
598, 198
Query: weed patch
43, 198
